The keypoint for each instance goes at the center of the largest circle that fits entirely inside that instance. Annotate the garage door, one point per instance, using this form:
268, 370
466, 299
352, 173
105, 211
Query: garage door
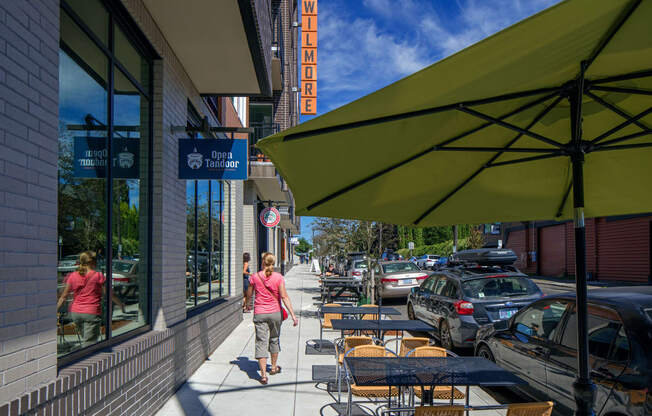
552, 250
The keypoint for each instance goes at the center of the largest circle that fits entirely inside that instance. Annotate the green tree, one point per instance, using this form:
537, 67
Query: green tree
303, 247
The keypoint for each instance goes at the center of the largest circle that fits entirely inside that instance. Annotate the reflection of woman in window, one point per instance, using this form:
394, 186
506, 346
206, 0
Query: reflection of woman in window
88, 287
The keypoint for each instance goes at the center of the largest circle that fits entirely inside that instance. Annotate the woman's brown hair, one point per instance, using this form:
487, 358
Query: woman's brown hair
246, 257
87, 259
268, 263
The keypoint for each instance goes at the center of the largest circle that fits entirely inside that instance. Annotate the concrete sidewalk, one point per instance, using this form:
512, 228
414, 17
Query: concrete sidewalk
227, 383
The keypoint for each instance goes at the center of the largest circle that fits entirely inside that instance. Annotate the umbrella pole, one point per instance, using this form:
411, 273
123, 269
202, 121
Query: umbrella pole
583, 387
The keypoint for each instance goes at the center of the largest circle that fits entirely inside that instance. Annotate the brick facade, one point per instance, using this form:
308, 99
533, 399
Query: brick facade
29, 92
140, 374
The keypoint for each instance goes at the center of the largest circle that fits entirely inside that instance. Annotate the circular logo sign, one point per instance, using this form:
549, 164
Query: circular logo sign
270, 217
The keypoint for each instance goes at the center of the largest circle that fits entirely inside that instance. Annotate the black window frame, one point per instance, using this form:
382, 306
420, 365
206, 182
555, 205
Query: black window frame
118, 17
194, 121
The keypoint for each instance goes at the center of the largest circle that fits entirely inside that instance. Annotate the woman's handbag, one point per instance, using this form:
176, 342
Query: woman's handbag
284, 313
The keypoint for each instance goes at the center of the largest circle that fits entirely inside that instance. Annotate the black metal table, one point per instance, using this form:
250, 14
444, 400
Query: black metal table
359, 310
429, 372
336, 288
381, 326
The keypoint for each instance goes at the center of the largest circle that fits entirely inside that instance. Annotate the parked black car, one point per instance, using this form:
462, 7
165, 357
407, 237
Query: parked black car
457, 300
539, 344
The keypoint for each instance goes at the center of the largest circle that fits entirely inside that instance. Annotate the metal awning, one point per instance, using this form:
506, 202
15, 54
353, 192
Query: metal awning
221, 44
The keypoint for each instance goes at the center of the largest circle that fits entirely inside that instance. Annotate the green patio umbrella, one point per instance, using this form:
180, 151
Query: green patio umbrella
549, 118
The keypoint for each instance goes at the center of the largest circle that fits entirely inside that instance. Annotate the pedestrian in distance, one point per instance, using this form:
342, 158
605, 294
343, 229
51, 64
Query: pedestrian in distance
246, 258
269, 289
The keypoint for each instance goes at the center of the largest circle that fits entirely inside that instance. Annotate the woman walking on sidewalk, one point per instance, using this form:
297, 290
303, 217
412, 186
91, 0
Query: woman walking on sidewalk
269, 288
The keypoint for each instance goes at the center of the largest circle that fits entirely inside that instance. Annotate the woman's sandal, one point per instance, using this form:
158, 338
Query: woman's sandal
275, 370
263, 380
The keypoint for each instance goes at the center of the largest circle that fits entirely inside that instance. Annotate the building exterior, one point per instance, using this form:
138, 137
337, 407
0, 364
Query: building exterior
617, 248
94, 96
269, 115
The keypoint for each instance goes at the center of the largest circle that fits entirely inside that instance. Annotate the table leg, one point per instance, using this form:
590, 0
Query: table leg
467, 400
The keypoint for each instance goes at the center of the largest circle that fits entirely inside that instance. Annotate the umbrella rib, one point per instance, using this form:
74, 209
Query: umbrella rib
498, 149
493, 158
622, 90
623, 147
425, 152
624, 77
622, 125
622, 139
616, 109
624, 15
560, 210
504, 116
526, 159
509, 126
418, 113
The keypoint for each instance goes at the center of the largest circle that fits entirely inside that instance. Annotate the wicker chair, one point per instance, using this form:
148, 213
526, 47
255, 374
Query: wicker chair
371, 391
408, 344
351, 342
530, 409
438, 392
439, 411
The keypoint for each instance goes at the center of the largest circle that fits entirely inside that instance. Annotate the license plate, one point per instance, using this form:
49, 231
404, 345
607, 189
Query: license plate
407, 282
507, 313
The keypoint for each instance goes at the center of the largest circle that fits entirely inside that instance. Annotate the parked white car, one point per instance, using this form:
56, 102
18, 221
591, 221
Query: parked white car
427, 261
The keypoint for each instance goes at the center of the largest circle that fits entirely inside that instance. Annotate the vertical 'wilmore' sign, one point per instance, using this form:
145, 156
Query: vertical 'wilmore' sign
309, 57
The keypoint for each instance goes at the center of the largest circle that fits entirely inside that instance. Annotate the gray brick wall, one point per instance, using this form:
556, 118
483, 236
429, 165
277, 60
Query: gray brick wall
29, 42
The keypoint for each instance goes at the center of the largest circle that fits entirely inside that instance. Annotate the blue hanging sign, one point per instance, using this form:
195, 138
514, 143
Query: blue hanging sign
91, 157
213, 159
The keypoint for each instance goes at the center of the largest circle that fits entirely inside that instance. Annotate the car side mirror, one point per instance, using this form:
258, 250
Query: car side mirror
414, 290
501, 325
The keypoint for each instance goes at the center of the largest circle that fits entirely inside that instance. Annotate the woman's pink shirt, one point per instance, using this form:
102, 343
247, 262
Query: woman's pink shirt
266, 302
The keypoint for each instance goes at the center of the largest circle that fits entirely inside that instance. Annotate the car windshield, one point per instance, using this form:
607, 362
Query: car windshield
362, 264
400, 267
121, 267
499, 287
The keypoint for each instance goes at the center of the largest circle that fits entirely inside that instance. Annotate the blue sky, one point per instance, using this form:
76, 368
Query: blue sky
364, 45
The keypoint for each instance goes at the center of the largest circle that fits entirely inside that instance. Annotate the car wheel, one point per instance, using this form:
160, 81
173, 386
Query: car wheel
410, 312
445, 336
484, 352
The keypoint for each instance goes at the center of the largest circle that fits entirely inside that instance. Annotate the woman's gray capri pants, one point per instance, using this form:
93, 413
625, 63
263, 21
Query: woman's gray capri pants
268, 330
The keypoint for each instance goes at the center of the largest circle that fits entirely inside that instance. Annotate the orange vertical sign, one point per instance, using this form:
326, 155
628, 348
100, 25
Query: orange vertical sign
308, 57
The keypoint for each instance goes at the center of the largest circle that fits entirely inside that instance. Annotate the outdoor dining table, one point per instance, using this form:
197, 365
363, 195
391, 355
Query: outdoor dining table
336, 288
428, 372
381, 325
359, 310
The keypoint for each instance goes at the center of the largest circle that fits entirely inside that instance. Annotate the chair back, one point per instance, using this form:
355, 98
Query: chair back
352, 342
439, 411
427, 352
370, 316
408, 344
369, 351
329, 316
530, 409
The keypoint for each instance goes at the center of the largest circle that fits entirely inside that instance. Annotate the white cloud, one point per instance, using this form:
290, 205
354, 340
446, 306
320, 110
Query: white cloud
358, 55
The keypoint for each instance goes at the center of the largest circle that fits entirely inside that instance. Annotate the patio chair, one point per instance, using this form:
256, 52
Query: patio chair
374, 317
371, 391
408, 344
343, 345
325, 322
439, 411
438, 392
530, 409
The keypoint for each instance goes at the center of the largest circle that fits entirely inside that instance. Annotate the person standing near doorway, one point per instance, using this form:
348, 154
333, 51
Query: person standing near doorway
246, 274
269, 289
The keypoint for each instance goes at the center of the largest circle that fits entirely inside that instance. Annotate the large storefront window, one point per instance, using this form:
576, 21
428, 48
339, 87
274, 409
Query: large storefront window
103, 183
207, 235
207, 241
